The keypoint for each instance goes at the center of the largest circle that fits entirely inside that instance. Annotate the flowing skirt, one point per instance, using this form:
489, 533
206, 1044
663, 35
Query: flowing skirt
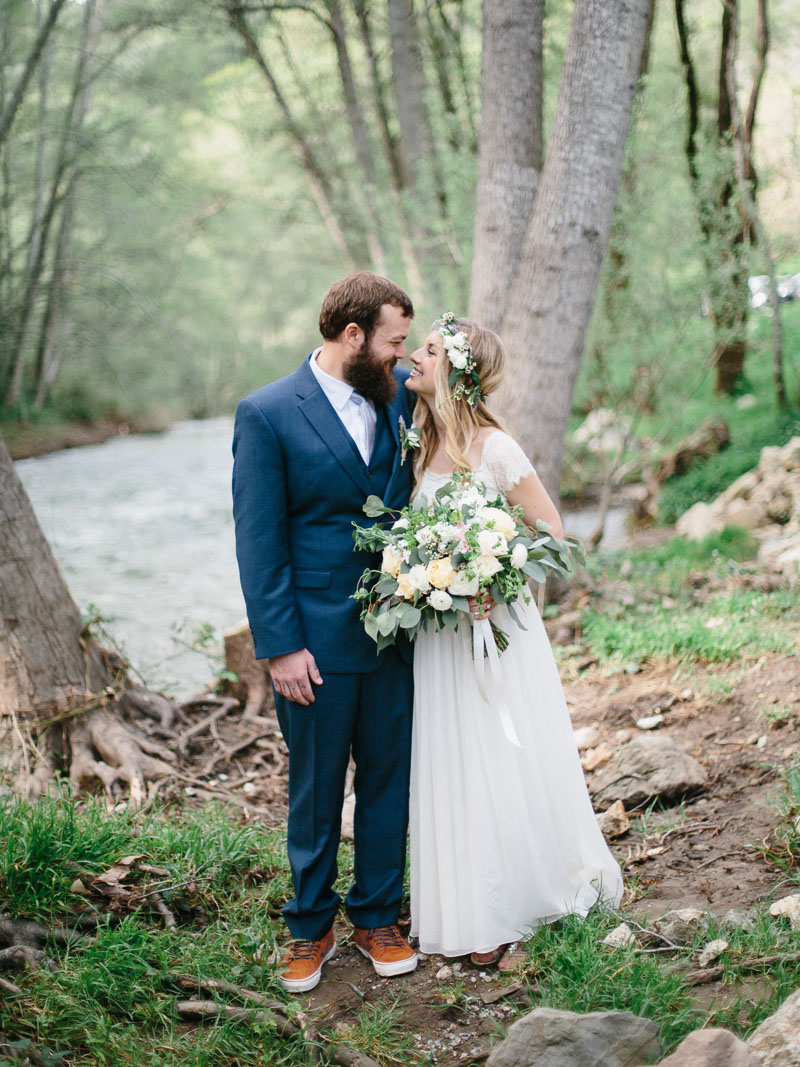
503, 838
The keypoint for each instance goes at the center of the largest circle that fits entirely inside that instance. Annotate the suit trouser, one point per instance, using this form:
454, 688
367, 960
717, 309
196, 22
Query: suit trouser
370, 713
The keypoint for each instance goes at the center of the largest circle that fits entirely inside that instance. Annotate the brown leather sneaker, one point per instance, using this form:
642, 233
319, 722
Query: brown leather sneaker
388, 950
301, 963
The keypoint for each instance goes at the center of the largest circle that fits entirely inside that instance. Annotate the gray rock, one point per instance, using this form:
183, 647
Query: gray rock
711, 1048
647, 767
680, 925
546, 1037
777, 1040
737, 919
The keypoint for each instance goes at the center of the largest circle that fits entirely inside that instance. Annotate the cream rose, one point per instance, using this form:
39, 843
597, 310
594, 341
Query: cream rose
486, 566
404, 587
458, 358
463, 585
519, 556
440, 600
499, 520
492, 543
390, 561
441, 572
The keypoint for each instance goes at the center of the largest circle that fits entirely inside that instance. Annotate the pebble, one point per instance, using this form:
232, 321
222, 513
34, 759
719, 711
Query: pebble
650, 722
249, 787
788, 907
620, 937
587, 736
622, 736
712, 951
595, 757
444, 974
687, 694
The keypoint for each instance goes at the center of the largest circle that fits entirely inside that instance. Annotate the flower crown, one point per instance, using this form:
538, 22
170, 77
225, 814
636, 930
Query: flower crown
463, 378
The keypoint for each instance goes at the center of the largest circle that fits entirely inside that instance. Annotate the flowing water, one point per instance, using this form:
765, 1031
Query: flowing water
142, 529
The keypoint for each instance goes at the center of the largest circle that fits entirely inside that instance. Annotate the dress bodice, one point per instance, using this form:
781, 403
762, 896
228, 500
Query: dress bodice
503, 464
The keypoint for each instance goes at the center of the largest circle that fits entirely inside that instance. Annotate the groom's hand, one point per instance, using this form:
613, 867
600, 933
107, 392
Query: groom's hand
295, 675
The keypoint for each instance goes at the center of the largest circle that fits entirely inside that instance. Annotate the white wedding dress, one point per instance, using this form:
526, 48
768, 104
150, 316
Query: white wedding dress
503, 838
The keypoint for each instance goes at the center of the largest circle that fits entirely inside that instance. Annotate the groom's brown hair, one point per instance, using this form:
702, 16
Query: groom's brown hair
359, 298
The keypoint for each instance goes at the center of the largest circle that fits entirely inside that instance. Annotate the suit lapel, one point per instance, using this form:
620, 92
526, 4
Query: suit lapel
393, 410
322, 418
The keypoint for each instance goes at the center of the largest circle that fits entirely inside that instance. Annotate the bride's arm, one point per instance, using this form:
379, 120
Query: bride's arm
532, 497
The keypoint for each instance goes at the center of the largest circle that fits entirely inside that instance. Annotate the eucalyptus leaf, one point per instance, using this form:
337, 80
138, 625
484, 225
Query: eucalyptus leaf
410, 617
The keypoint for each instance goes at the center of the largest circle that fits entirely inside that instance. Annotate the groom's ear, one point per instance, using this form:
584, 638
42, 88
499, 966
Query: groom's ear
353, 335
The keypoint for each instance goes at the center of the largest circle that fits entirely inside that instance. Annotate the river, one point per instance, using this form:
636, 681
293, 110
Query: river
142, 528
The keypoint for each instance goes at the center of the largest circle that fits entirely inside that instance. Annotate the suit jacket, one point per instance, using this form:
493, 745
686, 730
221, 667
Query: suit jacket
299, 483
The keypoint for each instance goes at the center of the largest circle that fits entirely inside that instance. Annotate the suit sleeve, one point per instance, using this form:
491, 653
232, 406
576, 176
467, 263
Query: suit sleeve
262, 545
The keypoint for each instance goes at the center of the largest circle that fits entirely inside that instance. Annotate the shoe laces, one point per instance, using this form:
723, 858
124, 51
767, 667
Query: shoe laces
387, 937
303, 949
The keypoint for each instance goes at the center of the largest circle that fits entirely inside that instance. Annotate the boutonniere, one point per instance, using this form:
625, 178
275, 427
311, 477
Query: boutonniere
409, 439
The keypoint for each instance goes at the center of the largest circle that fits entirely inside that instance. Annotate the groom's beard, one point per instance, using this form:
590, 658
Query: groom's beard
373, 378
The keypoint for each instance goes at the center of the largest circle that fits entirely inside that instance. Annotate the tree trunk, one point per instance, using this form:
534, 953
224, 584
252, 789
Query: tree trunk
409, 82
556, 283
61, 696
11, 107
510, 150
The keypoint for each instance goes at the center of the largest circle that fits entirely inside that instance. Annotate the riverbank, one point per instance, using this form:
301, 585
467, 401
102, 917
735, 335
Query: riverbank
690, 642
25, 440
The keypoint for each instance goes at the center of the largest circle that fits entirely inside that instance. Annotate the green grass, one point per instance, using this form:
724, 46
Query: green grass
112, 1000
727, 628
574, 971
705, 480
667, 621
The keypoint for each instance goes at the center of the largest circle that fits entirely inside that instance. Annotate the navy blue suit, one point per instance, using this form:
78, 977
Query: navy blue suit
299, 482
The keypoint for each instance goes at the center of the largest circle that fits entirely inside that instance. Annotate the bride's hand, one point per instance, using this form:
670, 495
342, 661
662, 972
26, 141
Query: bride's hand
480, 607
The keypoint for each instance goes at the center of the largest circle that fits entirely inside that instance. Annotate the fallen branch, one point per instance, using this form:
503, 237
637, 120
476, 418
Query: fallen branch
345, 1056
219, 985
170, 922
9, 987
212, 1009
757, 963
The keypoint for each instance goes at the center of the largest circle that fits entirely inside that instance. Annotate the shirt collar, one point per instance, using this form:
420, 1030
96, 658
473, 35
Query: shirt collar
337, 391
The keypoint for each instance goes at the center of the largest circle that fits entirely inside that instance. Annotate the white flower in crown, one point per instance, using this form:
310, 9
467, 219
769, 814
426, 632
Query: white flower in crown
458, 358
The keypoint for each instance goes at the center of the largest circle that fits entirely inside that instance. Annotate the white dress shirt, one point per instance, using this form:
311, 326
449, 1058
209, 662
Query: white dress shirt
358, 415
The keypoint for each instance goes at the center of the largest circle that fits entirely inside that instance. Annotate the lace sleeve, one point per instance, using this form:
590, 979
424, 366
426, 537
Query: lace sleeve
505, 461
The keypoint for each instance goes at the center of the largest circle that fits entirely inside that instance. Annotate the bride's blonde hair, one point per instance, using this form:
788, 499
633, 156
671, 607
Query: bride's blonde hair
461, 421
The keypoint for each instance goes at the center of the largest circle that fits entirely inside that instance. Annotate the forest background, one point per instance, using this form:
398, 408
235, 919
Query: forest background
182, 182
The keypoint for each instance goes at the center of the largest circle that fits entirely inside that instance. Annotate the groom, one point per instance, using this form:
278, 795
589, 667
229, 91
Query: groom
308, 450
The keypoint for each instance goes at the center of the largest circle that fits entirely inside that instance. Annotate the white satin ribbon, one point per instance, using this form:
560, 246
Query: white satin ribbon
483, 646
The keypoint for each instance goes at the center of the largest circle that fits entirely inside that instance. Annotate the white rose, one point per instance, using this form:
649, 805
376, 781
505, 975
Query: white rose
401, 524
459, 339
463, 585
447, 340
458, 358
499, 520
519, 556
492, 543
418, 578
440, 600
486, 566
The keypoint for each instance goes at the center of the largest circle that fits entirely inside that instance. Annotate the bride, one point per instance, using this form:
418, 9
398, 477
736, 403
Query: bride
503, 838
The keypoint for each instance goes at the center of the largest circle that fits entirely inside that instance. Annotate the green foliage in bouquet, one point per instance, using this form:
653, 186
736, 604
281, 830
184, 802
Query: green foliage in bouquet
464, 544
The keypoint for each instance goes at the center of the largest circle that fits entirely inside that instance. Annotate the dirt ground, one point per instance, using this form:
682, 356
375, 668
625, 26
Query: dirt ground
704, 852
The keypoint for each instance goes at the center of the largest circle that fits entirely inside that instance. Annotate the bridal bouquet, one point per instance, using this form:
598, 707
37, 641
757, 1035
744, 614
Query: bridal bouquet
434, 558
